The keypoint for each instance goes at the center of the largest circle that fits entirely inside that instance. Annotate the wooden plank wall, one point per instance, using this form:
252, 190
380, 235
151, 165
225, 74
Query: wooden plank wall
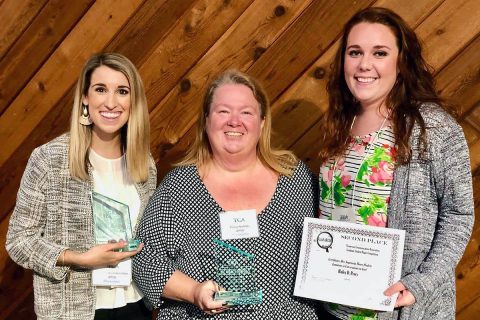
178, 46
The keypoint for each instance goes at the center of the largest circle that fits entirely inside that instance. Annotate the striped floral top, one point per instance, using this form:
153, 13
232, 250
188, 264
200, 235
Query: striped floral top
361, 180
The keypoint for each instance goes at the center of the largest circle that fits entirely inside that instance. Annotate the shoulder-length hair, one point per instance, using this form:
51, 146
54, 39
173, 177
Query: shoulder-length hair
135, 134
200, 153
413, 87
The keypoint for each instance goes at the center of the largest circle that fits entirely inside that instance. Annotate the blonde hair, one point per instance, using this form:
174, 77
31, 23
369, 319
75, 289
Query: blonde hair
200, 153
135, 134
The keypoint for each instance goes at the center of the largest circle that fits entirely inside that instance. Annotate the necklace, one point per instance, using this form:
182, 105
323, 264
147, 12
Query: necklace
367, 149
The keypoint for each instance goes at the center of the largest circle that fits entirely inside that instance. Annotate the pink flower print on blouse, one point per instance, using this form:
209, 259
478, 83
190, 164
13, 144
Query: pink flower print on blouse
345, 180
335, 175
383, 173
377, 220
328, 171
377, 169
391, 151
340, 165
360, 144
328, 175
373, 211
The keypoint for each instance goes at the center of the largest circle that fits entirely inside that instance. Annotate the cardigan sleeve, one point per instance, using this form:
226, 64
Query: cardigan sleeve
25, 241
153, 265
152, 177
453, 186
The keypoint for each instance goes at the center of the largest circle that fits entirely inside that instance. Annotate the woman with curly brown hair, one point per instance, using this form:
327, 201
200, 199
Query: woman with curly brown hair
393, 157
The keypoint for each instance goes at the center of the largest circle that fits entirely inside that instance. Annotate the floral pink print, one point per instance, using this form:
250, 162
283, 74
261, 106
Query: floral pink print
376, 169
383, 173
377, 220
346, 180
328, 175
360, 144
334, 184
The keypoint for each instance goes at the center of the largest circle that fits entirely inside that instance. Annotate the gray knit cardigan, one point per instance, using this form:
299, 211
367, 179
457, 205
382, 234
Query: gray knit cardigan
432, 200
52, 213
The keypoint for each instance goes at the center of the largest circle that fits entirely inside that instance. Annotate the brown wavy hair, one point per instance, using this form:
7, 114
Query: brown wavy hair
413, 87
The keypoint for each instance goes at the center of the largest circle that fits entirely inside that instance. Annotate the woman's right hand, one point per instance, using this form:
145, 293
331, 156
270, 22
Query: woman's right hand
181, 287
203, 297
101, 255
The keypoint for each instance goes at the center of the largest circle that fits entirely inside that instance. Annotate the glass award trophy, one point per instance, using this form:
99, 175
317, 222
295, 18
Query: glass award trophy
112, 222
235, 274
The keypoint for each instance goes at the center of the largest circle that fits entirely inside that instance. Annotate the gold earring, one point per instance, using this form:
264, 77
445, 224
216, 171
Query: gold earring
85, 117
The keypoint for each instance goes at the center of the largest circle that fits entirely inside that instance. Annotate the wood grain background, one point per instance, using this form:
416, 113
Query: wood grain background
178, 46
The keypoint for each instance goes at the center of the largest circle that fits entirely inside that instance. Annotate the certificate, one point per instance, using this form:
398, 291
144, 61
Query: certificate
349, 264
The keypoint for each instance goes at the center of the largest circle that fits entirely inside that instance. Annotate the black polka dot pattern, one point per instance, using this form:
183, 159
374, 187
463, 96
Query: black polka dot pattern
180, 223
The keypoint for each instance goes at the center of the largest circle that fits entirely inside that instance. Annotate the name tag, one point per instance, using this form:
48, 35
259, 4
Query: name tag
119, 276
239, 224
344, 214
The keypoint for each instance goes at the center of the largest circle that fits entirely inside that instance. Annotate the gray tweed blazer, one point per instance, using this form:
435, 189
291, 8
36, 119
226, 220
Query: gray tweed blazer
52, 213
432, 199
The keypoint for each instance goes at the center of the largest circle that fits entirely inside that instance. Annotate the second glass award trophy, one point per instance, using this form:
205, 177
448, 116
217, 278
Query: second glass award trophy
112, 221
235, 273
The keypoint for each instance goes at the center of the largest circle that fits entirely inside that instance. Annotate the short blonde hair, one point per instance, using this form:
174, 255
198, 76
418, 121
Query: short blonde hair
200, 153
136, 132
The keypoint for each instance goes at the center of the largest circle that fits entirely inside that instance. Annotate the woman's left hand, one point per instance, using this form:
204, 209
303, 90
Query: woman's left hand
405, 297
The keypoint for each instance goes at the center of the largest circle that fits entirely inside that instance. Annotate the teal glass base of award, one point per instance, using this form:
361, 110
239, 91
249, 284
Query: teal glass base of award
112, 222
132, 245
235, 274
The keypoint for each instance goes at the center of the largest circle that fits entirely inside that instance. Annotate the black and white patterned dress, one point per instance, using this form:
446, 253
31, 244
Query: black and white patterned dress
180, 222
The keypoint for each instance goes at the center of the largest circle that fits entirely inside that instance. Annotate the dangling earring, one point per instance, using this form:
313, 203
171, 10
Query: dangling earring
85, 117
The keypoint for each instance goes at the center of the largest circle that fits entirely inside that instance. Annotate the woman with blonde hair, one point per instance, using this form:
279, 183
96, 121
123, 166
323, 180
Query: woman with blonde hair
51, 230
231, 172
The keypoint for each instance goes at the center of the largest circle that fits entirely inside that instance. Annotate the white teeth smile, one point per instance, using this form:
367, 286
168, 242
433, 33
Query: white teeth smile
234, 134
366, 80
110, 115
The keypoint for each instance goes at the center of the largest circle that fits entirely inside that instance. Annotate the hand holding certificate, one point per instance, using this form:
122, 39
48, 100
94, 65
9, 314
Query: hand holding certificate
349, 264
